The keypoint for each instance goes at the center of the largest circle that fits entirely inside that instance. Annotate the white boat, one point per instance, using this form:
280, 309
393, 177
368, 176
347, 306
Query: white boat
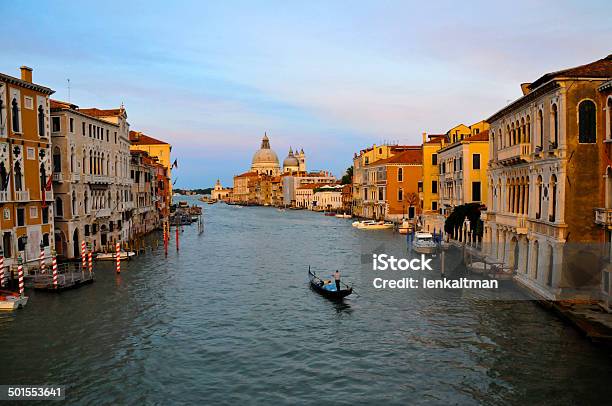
111, 256
344, 216
375, 225
423, 243
11, 301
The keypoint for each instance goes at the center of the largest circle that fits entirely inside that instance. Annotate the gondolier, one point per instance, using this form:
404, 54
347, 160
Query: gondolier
337, 279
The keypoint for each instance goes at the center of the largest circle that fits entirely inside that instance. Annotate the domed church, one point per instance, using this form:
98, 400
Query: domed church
266, 162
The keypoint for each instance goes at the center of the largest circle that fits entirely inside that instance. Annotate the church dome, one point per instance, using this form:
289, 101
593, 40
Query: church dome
291, 160
265, 156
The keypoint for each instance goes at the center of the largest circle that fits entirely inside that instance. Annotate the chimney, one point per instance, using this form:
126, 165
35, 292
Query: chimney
525, 88
424, 138
26, 74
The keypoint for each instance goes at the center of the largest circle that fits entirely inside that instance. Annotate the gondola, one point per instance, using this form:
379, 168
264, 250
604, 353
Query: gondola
317, 285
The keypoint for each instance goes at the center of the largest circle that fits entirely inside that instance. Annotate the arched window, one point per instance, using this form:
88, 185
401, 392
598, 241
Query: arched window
553, 199
539, 197
15, 115
528, 129
523, 131
59, 207
3, 177
513, 142
608, 118
587, 132
18, 184
90, 162
74, 213
41, 121
554, 142
400, 175
72, 160
86, 203
43, 176
540, 129
57, 160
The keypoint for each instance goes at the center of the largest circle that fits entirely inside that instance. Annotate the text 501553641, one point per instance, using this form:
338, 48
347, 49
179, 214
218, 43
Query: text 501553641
32, 392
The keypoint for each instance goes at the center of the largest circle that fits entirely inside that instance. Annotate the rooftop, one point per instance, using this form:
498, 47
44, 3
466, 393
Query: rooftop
411, 156
601, 68
138, 138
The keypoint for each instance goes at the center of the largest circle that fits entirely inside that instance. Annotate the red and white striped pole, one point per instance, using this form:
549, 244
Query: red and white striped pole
20, 276
55, 281
83, 255
118, 257
1, 271
89, 260
42, 260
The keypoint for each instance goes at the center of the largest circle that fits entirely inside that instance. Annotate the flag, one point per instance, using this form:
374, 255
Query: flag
45, 188
174, 181
174, 164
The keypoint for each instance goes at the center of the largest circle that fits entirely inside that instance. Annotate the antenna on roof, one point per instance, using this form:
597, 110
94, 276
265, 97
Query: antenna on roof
68, 80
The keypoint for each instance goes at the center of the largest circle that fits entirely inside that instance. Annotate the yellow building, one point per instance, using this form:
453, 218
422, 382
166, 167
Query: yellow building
155, 148
463, 167
26, 212
429, 187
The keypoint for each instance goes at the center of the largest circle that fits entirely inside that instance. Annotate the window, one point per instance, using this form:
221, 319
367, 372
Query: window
107, 132
554, 143
21, 243
539, 188
89, 130
28, 102
476, 191
34, 212
57, 160
400, 194
6, 243
87, 230
115, 137
587, 132
476, 161
400, 174
45, 239
434, 205
381, 193
83, 128
41, 121
434, 186
540, 129
434, 159
553, 199
71, 121
15, 115
411, 212
608, 118
45, 215
55, 124
20, 217
420, 186
59, 207
31, 153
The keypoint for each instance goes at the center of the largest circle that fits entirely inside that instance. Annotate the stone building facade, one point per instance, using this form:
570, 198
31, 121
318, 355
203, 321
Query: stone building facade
544, 175
91, 180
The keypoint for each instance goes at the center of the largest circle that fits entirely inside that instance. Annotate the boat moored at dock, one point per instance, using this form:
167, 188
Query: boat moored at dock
12, 300
423, 243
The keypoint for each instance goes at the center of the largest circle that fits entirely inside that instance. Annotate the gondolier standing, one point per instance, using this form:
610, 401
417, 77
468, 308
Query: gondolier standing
337, 279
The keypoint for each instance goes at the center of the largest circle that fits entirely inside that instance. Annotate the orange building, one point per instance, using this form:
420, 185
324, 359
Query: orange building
26, 218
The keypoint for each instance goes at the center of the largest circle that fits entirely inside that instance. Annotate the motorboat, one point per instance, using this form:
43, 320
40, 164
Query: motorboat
405, 227
423, 243
112, 256
376, 225
344, 216
11, 300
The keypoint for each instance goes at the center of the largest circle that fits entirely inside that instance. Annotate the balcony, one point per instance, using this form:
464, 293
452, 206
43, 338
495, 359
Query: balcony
4, 196
515, 154
513, 221
58, 177
603, 217
22, 195
103, 213
75, 177
99, 179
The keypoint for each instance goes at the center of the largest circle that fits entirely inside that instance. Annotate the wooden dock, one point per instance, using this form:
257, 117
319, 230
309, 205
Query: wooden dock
70, 276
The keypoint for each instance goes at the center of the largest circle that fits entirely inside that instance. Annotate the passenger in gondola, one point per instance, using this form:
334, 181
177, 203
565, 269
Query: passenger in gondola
337, 279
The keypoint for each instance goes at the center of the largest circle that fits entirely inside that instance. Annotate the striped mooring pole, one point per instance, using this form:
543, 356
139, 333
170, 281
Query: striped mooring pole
41, 260
118, 257
20, 276
55, 282
90, 262
1, 271
83, 255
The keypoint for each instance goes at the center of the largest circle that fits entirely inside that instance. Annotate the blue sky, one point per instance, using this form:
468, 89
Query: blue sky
328, 76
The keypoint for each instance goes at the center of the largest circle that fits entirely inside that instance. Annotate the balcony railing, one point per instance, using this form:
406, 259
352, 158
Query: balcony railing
515, 153
4, 196
603, 217
518, 222
58, 177
22, 195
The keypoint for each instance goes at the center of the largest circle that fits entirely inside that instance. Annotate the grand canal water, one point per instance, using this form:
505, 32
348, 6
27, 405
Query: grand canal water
230, 319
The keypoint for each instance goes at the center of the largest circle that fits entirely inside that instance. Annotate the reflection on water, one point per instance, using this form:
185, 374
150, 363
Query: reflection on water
231, 319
